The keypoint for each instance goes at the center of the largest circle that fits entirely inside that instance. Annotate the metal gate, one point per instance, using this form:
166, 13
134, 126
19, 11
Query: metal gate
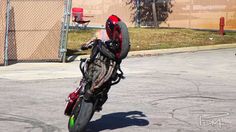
33, 30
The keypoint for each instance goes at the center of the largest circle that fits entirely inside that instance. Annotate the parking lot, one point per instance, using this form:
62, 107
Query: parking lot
194, 91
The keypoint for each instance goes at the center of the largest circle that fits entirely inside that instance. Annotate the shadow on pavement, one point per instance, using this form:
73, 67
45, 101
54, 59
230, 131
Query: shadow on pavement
118, 120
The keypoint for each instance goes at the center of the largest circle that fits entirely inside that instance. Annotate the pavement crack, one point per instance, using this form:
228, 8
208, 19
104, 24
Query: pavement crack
196, 84
180, 120
33, 122
192, 96
210, 98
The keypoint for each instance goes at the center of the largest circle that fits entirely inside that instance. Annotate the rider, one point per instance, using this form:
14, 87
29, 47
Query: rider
112, 44
114, 48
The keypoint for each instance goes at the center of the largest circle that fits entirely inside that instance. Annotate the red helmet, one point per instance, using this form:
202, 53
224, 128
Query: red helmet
110, 25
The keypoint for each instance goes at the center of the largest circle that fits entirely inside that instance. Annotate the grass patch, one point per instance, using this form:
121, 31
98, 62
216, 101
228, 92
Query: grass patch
151, 38
147, 39
77, 38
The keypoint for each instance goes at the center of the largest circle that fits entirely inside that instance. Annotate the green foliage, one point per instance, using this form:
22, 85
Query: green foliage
144, 10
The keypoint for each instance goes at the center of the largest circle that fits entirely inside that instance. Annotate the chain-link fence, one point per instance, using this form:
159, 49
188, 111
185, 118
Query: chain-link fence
35, 25
34, 30
169, 13
3, 4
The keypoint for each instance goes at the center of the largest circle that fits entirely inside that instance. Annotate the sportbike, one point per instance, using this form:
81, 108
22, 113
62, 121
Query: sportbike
99, 72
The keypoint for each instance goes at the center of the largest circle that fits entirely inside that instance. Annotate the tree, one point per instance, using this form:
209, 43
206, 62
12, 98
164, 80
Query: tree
145, 11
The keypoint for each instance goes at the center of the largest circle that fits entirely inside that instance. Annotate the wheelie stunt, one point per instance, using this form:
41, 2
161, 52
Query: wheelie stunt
100, 71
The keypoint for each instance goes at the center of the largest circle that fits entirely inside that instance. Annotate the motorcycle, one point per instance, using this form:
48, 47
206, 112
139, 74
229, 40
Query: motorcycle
99, 73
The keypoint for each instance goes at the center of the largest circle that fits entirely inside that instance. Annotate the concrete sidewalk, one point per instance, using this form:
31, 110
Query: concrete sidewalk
38, 71
181, 50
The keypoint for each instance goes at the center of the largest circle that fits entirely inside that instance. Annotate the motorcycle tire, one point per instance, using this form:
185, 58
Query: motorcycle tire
81, 115
123, 37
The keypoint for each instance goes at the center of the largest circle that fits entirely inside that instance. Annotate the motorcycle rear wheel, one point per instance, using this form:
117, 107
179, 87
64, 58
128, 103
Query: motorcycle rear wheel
81, 115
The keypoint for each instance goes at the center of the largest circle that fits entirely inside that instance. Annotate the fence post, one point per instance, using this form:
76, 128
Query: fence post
7, 33
138, 13
66, 25
62, 41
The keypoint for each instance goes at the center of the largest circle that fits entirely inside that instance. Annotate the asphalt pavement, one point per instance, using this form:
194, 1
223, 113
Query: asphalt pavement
184, 92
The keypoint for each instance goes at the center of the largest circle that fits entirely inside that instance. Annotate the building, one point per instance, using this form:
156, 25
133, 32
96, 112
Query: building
203, 14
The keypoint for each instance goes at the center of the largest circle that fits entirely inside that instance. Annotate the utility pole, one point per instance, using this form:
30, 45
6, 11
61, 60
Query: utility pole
138, 13
7, 33
154, 10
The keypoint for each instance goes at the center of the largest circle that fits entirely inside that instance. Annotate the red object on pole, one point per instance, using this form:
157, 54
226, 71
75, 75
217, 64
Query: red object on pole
222, 25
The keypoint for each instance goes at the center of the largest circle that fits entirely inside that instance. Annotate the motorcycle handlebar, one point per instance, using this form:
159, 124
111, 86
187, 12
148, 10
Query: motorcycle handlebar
87, 45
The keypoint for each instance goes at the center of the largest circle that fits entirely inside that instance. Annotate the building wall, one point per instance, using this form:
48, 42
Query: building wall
202, 14
186, 13
101, 9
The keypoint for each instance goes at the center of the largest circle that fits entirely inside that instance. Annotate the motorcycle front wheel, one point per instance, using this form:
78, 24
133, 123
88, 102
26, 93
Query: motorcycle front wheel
81, 115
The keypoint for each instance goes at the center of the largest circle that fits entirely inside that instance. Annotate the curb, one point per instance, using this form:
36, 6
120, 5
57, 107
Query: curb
173, 50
